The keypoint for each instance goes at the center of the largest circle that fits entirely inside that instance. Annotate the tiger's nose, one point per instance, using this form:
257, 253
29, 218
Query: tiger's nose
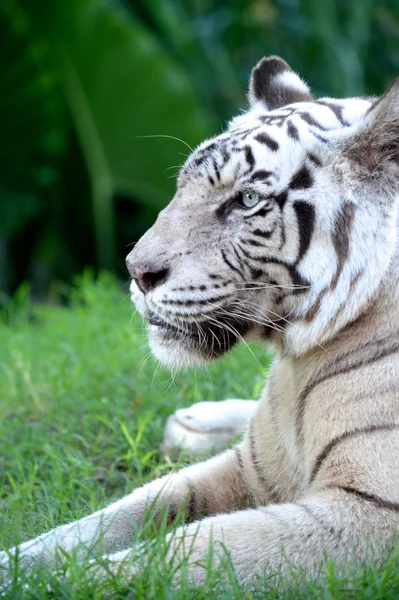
146, 277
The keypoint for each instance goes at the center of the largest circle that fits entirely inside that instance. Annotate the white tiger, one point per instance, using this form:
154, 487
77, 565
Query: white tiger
283, 228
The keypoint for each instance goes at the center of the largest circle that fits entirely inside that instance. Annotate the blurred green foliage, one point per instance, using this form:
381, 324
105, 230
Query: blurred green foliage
84, 82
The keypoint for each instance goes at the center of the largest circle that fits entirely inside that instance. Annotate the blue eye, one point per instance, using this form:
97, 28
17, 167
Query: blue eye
250, 199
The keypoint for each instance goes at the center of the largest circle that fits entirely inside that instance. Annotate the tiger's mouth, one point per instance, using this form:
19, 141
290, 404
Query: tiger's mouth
157, 321
209, 338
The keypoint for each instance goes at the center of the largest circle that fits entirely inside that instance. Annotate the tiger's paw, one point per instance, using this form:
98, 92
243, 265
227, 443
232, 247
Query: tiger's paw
206, 426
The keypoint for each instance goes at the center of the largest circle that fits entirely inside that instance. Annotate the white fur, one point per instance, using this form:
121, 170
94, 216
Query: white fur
207, 426
291, 79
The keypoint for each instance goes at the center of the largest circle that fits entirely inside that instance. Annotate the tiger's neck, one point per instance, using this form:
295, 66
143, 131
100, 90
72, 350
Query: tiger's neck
368, 306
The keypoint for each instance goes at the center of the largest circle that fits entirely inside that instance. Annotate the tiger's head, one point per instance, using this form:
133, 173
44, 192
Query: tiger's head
282, 228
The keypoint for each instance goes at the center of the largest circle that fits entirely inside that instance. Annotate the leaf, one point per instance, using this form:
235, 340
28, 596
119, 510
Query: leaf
32, 131
120, 85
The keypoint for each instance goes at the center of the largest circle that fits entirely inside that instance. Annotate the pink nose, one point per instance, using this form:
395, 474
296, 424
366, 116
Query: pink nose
145, 277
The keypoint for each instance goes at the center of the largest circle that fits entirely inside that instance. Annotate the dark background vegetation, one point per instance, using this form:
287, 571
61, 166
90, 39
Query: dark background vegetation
82, 81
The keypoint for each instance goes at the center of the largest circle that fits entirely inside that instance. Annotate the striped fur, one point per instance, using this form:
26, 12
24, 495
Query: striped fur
283, 228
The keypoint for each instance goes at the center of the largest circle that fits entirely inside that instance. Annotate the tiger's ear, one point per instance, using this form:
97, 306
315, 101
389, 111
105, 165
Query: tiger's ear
274, 84
375, 144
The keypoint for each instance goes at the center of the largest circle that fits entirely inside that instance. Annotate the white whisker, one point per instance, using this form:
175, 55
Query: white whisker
171, 137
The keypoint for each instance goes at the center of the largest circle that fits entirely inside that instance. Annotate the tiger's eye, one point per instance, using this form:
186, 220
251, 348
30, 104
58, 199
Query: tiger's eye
250, 199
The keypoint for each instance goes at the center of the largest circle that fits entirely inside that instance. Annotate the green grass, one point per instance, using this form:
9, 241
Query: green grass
82, 411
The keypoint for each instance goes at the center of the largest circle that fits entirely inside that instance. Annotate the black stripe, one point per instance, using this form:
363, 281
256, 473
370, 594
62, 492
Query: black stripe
314, 159
257, 466
211, 181
242, 493
238, 257
305, 215
197, 162
261, 213
249, 157
276, 120
216, 167
374, 102
283, 236
252, 243
263, 138
190, 288
315, 517
312, 121
264, 234
229, 264
250, 256
342, 438
302, 179
226, 206
372, 498
261, 175
296, 277
245, 133
208, 148
192, 503
203, 154
197, 506
314, 309
281, 199
309, 316
286, 293
255, 274
319, 137
335, 108
173, 302
172, 514
239, 458
341, 238
225, 155
380, 354
292, 131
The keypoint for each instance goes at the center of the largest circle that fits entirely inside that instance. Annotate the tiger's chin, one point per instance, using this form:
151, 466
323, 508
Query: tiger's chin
178, 349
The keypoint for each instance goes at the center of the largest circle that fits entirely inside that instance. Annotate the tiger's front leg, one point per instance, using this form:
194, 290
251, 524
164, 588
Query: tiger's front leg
275, 540
192, 489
